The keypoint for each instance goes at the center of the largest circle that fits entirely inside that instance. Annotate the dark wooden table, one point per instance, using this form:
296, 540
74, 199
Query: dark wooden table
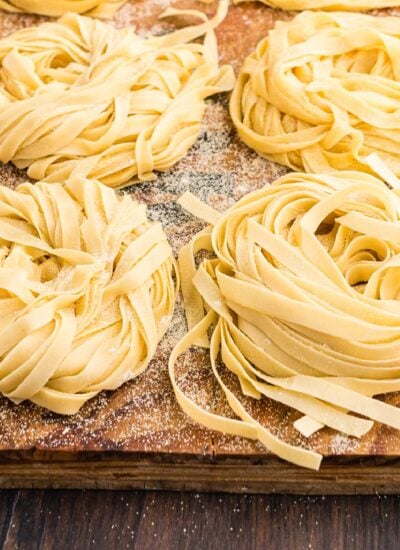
145, 520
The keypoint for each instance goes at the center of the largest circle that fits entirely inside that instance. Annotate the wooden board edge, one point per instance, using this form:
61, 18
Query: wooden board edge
227, 474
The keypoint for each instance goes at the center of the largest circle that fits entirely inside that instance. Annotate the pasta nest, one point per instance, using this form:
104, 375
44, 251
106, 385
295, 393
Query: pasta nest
322, 92
303, 300
347, 5
55, 8
80, 97
86, 292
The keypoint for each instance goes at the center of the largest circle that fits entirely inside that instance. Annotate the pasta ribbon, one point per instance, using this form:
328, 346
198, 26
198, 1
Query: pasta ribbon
303, 300
346, 5
322, 92
55, 8
86, 292
79, 97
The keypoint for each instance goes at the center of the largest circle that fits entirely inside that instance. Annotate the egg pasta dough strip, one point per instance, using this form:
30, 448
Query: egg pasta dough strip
322, 92
302, 300
87, 290
122, 107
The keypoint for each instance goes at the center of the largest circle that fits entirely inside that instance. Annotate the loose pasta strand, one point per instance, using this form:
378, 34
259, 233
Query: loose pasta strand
123, 107
302, 298
86, 292
322, 92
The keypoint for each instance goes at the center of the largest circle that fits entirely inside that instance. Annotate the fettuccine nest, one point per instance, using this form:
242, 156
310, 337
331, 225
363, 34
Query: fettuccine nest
80, 97
322, 92
55, 8
86, 292
303, 298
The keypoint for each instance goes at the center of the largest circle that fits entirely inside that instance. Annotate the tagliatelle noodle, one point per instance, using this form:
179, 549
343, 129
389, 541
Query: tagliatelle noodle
86, 292
79, 97
347, 5
55, 8
322, 92
303, 299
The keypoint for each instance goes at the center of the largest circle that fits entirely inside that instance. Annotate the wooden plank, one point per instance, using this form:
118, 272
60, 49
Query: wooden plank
189, 473
137, 436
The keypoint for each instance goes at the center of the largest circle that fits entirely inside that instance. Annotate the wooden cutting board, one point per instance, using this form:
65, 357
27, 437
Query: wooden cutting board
137, 436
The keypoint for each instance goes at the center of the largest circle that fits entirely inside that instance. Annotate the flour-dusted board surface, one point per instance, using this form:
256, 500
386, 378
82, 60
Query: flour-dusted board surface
137, 436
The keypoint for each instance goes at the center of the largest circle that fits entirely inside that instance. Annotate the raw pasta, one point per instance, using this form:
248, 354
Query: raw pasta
322, 92
80, 97
86, 292
348, 5
303, 298
55, 8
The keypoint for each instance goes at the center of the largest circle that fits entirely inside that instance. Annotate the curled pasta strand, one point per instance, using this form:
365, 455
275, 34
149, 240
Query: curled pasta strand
122, 107
86, 292
302, 300
321, 93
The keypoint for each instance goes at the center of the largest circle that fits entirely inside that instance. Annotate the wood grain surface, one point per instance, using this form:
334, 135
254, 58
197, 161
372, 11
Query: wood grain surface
80, 520
137, 436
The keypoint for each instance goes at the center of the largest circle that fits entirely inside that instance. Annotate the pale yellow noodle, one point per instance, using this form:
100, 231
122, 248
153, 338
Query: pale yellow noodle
322, 92
303, 299
55, 8
86, 292
79, 97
